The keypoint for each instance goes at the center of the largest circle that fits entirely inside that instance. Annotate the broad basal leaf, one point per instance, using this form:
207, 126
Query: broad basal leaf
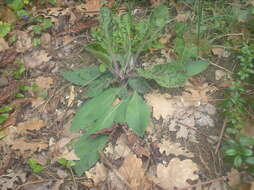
82, 77
137, 114
87, 150
169, 75
195, 67
94, 109
99, 52
139, 85
97, 86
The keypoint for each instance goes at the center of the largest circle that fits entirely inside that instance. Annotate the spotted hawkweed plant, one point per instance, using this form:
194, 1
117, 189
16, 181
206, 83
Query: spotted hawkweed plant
115, 86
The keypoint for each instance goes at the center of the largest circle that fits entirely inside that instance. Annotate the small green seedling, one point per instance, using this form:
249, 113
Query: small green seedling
4, 115
66, 163
5, 28
20, 71
35, 166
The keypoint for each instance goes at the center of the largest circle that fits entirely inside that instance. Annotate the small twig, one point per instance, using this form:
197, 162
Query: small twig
223, 178
73, 178
105, 161
183, 124
214, 64
221, 135
33, 182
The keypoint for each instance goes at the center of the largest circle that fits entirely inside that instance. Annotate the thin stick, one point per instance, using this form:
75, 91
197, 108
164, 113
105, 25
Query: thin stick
221, 135
223, 178
216, 65
105, 161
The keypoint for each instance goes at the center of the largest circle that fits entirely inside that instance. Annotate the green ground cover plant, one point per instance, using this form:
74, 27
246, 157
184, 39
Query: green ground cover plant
238, 149
119, 42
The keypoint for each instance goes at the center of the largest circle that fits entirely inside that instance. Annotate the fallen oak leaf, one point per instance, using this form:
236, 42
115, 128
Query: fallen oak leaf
32, 124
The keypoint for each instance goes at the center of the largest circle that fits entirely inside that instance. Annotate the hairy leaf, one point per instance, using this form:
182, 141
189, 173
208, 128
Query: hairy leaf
94, 109
169, 75
82, 77
137, 114
195, 67
97, 86
139, 85
87, 150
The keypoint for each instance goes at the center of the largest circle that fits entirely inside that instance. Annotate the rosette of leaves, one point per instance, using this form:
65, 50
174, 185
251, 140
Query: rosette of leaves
119, 41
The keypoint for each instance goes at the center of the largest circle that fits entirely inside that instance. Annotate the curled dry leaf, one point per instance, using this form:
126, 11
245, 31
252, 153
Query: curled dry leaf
170, 147
133, 173
36, 58
234, 178
98, 173
176, 173
44, 82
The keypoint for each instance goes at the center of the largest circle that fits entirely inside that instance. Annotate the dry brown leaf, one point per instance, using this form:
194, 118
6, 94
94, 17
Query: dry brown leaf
234, 178
44, 82
93, 6
45, 40
22, 145
98, 173
37, 102
119, 150
24, 41
32, 124
219, 74
163, 104
36, 58
196, 95
217, 185
173, 148
220, 52
133, 173
176, 173
3, 45
71, 96
70, 156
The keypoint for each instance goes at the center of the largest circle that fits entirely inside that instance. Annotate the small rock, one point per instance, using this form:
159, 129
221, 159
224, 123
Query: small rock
3, 81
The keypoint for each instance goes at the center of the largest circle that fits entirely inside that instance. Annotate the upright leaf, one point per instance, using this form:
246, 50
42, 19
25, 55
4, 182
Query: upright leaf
99, 52
94, 109
137, 114
87, 150
82, 77
139, 85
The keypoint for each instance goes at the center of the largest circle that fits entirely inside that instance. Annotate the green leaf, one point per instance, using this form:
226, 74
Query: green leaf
107, 119
5, 28
97, 86
230, 152
250, 160
35, 166
87, 150
246, 152
103, 67
238, 161
195, 67
246, 141
37, 29
19, 95
94, 109
66, 163
15, 4
5, 109
99, 52
121, 111
169, 75
185, 50
3, 117
46, 23
137, 114
22, 13
82, 77
139, 85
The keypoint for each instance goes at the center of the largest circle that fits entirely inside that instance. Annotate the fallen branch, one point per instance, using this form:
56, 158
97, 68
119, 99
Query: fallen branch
221, 135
